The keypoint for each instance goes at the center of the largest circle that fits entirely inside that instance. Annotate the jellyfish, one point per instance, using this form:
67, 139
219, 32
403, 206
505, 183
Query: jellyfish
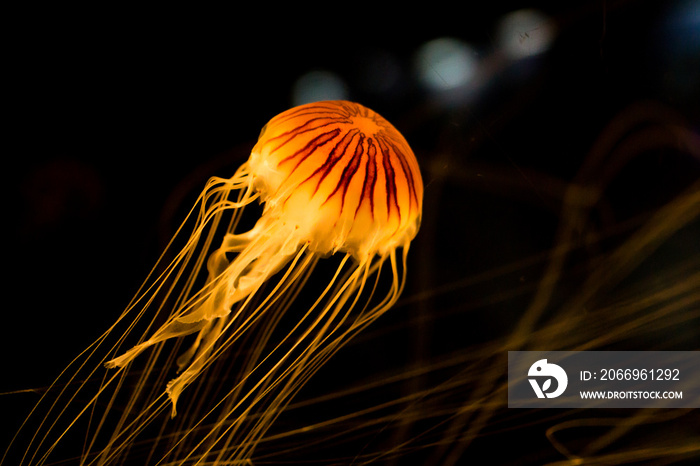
336, 182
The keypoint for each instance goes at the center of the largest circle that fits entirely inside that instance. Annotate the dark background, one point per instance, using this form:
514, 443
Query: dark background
115, 118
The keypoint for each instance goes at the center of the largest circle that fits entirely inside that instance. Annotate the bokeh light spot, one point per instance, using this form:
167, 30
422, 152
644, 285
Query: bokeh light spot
445, 63
525, 33
318, 85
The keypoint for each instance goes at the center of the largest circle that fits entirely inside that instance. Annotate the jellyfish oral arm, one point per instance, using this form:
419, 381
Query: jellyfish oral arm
263, 251
172, 330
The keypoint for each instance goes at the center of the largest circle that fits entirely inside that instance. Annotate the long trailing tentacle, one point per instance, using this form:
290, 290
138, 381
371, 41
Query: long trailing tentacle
328, 324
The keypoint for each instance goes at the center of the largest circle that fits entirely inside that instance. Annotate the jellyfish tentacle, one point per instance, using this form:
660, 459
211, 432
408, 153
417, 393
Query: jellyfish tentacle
269, 256
209, 334
274, 385
260, 258
263, 251
321, 338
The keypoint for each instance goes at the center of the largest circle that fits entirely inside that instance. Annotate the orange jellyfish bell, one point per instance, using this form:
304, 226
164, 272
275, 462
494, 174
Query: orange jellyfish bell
340, 177
334, 177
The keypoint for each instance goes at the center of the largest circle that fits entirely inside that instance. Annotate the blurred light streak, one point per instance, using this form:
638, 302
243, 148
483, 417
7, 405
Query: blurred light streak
677, 44
683, 26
